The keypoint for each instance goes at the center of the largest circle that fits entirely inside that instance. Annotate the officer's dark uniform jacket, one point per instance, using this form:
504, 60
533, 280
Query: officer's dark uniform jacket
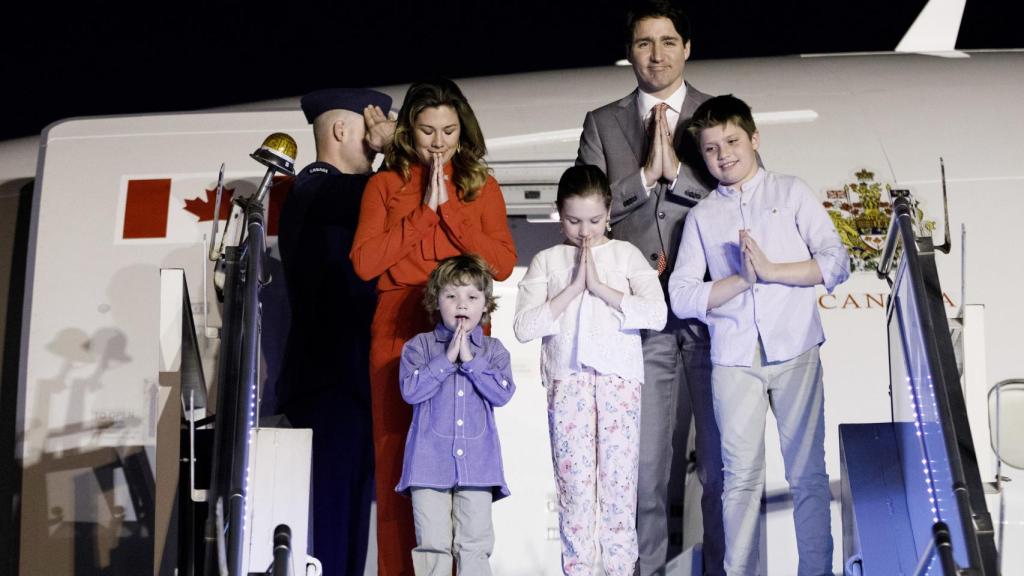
325, 382
328, 345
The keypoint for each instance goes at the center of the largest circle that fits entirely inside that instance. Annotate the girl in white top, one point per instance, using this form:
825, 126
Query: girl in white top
588, 298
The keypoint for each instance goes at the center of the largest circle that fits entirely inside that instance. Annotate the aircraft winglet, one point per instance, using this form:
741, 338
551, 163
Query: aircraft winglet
936, 29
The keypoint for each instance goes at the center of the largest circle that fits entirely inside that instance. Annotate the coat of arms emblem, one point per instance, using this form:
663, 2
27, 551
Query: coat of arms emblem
861, 217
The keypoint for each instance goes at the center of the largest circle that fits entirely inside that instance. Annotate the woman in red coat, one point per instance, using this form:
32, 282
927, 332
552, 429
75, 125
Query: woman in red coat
435, 199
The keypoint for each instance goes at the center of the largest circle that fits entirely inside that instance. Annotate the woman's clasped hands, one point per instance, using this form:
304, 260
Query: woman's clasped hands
437, 191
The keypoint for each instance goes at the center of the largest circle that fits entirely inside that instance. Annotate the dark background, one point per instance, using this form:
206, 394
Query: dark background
118, 57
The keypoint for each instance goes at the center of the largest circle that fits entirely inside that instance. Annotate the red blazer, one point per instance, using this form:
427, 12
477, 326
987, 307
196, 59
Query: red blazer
401, 239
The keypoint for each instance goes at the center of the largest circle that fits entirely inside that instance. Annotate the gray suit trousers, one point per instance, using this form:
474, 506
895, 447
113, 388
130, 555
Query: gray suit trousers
677, 383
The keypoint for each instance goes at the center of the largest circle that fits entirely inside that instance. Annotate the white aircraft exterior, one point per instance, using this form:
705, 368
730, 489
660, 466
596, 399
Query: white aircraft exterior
850, 125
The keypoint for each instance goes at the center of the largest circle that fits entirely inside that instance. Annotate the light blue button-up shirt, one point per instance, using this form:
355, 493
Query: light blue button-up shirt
788, 222
453, 440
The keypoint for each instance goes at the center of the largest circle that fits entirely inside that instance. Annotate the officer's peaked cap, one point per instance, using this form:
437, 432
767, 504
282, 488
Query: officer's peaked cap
351, 99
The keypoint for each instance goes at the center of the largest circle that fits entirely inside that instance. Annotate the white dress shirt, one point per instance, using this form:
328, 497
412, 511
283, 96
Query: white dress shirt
645, 104
790, 225
589, 332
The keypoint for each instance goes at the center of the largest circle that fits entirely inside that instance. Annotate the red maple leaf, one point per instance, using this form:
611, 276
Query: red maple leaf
203, 209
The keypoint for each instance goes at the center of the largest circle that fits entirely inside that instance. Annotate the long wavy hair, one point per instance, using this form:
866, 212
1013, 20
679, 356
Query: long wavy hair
469, 172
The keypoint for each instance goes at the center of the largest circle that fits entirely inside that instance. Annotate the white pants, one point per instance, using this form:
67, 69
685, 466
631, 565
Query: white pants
742, 395
452, 524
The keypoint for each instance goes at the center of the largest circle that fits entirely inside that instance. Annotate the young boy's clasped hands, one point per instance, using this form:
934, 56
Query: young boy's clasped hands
757, 266
458, 348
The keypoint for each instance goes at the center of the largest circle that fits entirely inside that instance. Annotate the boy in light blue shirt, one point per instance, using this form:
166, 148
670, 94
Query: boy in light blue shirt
766, 242
454, 376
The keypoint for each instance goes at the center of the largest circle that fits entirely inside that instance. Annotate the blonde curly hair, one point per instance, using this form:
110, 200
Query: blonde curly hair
462, 270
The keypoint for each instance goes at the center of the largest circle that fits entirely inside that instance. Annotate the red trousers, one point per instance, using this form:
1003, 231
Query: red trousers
400, 316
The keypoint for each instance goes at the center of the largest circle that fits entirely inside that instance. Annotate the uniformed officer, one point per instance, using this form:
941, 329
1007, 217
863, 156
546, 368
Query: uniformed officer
325, 380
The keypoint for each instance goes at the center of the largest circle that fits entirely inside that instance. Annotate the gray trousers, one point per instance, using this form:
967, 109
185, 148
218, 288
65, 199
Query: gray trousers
794, 391
452, 524
677, 384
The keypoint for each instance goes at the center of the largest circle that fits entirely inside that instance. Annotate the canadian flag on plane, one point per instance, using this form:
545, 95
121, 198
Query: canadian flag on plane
179, 208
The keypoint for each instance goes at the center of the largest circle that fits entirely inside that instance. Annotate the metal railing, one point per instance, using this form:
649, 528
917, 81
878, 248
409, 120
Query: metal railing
921, 314
238, 378
941, 544
282, 551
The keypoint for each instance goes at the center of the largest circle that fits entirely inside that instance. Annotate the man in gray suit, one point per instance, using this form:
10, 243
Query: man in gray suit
657, 175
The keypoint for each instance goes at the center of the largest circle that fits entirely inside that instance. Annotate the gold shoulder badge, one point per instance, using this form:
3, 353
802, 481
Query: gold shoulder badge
861, 218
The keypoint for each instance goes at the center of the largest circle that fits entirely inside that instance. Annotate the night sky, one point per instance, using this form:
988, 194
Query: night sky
119, 57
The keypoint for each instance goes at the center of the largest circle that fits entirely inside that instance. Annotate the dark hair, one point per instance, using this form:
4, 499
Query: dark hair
719, 111
656, 9
583, 181
469, 172
462, 270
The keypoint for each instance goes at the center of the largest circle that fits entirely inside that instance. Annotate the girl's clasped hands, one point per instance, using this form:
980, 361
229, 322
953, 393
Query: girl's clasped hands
585, 275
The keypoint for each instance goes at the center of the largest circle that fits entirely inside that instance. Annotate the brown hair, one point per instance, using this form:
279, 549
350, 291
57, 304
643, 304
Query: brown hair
656, 9
719, 111
469, 172
462, 270
583, 181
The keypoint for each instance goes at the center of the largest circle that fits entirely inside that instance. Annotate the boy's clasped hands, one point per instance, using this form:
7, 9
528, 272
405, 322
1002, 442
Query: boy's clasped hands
458, 348
755, 265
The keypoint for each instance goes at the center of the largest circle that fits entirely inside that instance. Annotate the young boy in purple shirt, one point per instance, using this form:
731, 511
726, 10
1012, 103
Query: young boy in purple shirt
453, 377
766, 241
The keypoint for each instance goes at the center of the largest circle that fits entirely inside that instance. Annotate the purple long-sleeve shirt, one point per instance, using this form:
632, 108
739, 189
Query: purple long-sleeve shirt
453, 440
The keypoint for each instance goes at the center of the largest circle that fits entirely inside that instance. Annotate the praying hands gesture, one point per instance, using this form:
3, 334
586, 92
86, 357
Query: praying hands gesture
662, 161
753, 264
753, 259
757, 266
458, 347
580, 275
584, 279
437, 192
593, 282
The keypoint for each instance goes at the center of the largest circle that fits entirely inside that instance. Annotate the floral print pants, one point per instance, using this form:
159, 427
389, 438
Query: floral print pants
594, 422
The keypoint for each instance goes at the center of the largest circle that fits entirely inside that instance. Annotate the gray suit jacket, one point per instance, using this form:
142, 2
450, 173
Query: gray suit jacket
614, 140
